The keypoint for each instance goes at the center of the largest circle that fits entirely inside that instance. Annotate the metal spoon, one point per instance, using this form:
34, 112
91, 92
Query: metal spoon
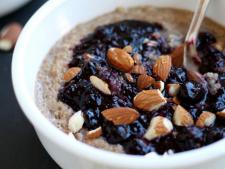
190, 57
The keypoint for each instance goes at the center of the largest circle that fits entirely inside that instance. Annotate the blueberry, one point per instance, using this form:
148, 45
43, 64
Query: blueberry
165, 111
137, 129
92, 118
137, 147
205, 38
177, 75
144, 120
219, 100
213, 134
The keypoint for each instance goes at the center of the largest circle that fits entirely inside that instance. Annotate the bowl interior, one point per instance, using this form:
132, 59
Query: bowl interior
50, 23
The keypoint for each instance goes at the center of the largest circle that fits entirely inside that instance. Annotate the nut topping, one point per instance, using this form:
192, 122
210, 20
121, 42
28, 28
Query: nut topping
71, 73
93, 134
221, 114
100, 85
128, 49
129, 77
76, 122
138, 69
144, 81
120, 59
159, 126
206, 119
120, 115
182, 117
137, 59
149, 100
159, 85
162, 67
173, 89
177, 56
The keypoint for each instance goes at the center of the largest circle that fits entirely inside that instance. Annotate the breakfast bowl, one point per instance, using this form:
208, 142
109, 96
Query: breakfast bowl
53, 20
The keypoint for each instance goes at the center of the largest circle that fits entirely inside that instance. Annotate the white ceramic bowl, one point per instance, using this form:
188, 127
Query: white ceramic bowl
46, 26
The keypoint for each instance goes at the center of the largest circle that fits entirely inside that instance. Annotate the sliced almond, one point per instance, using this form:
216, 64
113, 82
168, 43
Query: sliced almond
177, 56
128, 49
159, 126
221, 114
121, 115
162, 67
71, 73
137, 59
139, 69
93, 134
144, 81
159, 85
206, 119
149, 100
182, 117
120, 59
173, 89
129, 77
76, 122
100, 85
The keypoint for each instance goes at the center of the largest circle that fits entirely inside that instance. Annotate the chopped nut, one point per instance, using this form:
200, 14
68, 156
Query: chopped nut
173, 89
139, 69
162, 67
93, 134
159, 85
182, 117
137, 59
177, 56
206, 119
176, 100
149, 100
129, 77
100, 85
121, 115
71, 73
128, 49
144, 81
221, 114
120, 59
76, 122
159, 126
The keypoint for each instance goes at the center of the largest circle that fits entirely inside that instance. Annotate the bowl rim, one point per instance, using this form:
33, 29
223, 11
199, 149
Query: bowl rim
78, 148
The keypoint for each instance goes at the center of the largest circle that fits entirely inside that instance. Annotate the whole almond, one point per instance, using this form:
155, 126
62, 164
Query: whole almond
221, 114
71, 73
173, 89
144, 81
149, 100
93, 134
121, 115
159, 126
159, 85
128, 49
177, 56
206, 119
139, 69
182, 117
120, 59
162, 67
100, 85
76, 122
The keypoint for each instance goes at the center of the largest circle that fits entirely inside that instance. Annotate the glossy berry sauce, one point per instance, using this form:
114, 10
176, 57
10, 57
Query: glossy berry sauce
150, 40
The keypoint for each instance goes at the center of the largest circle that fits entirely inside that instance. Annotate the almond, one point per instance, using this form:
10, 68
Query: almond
206, 119
120, 59
139, 69
129, 77
195, 76
149, 100
182, 117
76, 122
71, 73
159, 126
159, 85
121, 115
176, 100
221, 114
173, 89
162, 67
137, 59
9, 35
144, 81
177, 56
128, 49
93, 134
100, 85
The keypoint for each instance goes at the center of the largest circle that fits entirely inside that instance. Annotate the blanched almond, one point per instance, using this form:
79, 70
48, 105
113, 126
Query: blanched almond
206, 119
173, 89
128, 49
177, 56
71, 73
159, 126
144, 81
76, 122
159, 85
93, 134
182, 117
221, 114
120, 115
139, 69
120, 59
149, 100
100, 85
162, 67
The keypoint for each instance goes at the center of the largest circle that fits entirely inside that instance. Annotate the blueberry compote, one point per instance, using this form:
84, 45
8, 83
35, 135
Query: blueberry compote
149, 40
